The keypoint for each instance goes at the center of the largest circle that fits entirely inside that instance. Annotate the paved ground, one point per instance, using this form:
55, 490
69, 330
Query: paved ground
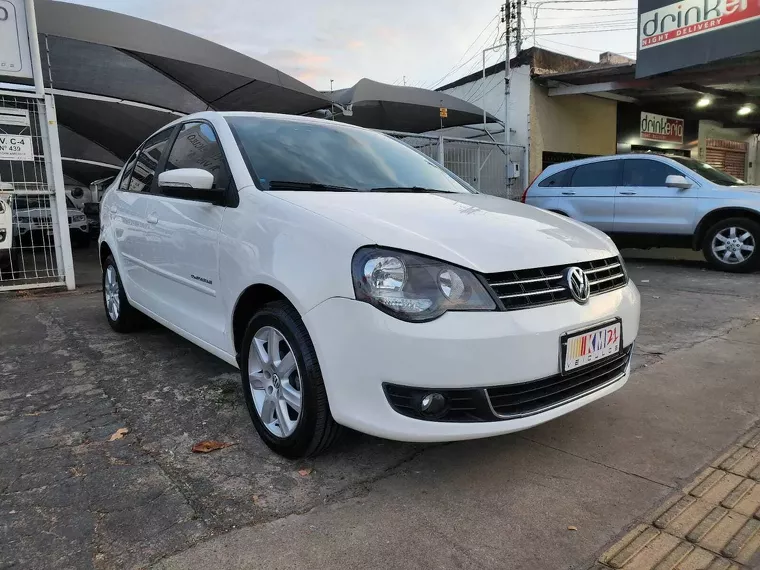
70, 498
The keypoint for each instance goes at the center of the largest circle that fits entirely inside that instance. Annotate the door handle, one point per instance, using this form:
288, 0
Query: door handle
152, 219
568, 193
113, 209
628, 193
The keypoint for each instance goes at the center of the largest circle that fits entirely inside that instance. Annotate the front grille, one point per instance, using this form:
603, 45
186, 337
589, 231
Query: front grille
518, 400
528, 288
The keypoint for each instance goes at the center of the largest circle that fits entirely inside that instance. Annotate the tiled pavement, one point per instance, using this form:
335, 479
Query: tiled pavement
712, 524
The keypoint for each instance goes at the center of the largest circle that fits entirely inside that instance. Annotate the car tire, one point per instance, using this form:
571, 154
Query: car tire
313, 430
727, 244
125, 318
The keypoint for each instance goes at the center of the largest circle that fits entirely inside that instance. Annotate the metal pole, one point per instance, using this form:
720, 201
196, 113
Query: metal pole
518, 32
507, 18
441, 155
59, 208
34, 48
483, 92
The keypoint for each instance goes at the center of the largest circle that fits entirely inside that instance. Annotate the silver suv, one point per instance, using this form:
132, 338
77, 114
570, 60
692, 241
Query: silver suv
648, 200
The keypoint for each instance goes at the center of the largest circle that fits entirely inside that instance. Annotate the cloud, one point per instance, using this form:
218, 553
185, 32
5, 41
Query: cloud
346, 40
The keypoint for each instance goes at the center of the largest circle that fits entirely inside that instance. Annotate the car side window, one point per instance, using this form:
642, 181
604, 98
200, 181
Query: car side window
124, 182
560, 179
641, 172
594, 174
196, 146
148, 161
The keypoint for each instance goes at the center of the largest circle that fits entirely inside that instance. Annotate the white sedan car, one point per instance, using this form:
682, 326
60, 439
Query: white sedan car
357, 283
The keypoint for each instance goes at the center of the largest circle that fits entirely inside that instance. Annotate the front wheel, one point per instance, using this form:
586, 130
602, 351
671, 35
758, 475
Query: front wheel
283, 386
122, 316
731, 245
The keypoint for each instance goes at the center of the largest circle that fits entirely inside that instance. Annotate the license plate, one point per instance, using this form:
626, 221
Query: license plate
587, 347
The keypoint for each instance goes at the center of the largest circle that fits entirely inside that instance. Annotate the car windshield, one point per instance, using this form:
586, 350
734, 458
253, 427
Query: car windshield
711, 173
284, 154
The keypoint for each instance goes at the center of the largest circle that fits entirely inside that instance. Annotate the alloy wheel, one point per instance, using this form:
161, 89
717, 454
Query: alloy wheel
733, 245
275, 381
111, 290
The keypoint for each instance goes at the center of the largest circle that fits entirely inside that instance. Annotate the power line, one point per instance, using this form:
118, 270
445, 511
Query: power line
459, 64
594, 50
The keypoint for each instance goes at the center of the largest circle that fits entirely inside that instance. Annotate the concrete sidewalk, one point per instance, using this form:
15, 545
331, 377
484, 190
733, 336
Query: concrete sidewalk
508, 503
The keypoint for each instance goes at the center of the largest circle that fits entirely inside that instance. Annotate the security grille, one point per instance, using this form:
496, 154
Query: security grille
482, 164
30, 253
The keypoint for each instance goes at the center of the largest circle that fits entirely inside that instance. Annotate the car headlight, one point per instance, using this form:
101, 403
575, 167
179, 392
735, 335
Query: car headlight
78, 218
415, 288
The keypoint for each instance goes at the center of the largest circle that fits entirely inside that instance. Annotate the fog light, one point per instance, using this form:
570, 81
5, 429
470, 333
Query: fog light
432, 404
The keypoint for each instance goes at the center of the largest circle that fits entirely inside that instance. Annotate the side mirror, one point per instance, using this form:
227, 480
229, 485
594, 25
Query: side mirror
190, 184
677, 181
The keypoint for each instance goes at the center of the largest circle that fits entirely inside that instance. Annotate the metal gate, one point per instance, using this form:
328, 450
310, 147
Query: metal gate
483, 164
34, 221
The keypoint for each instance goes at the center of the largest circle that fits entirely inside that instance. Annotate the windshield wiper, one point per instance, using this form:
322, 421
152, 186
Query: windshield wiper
411, 189
308, 186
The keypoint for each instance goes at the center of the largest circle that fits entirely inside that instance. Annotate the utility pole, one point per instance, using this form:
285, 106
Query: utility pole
506, 17
518, 25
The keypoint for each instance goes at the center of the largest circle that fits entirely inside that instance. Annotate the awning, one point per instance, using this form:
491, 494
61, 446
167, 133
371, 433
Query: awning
118, 78
378, 105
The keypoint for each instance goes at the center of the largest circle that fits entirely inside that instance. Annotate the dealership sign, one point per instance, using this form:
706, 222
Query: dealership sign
661, 128
16, 147
15, 58
673, 35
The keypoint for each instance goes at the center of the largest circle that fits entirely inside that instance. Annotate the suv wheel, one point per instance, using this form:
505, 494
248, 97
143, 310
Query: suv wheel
122, 316
283, 386
732, 245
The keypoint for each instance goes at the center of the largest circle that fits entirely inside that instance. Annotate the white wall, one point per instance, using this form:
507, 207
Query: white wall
489, 95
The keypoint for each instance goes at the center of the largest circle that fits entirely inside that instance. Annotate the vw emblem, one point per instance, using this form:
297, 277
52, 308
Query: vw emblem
276, 381
577, 281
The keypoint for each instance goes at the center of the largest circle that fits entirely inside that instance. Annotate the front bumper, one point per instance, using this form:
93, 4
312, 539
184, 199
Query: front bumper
361, 348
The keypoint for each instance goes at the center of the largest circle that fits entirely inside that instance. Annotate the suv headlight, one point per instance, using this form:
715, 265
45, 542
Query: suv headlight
415, 288
76, 218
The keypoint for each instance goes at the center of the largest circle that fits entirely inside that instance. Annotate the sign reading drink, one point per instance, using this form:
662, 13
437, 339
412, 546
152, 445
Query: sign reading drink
678, 34
691, 17
661, 128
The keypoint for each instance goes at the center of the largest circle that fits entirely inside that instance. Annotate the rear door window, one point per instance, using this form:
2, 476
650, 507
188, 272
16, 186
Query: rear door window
643, 172
148, 161
596, 174
559, 179
124, 182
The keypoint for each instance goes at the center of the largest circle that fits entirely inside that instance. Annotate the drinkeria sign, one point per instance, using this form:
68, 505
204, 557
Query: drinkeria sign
674, 35
661, 128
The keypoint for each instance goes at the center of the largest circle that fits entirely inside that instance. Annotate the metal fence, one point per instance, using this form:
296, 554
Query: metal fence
30, 246
483, 164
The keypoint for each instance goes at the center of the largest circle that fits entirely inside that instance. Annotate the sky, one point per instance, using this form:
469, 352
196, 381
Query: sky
418, 42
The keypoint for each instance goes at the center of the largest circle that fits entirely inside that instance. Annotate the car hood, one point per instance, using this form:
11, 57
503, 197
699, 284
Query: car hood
484, 233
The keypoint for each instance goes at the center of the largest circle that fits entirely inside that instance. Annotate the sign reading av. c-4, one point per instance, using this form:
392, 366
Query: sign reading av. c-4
16, 147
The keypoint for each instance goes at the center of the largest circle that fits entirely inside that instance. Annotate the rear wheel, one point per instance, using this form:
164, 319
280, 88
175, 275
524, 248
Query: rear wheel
122, 316
732, 245
283, 386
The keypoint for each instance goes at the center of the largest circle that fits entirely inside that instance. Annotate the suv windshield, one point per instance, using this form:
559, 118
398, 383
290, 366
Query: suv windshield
285, 154
706, 171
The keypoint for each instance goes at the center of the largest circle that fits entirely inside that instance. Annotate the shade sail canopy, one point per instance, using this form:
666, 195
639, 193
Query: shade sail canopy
378, 105
143, 75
